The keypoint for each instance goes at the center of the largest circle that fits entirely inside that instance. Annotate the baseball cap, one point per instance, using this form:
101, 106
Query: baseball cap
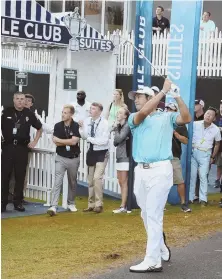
199, 101
172, 106
155, 89
146, 90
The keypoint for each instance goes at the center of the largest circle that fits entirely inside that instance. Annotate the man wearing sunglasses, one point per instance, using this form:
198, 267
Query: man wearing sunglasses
82, 106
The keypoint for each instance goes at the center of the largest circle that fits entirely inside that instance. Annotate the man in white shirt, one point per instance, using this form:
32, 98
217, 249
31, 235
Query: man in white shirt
205, 132
207, 26
82, 106
95, 130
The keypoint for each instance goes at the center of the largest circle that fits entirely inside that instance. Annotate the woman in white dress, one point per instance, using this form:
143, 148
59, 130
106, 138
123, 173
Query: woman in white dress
121, 141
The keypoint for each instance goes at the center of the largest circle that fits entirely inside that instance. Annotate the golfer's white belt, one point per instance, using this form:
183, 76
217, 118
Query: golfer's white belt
152, 165
202, 149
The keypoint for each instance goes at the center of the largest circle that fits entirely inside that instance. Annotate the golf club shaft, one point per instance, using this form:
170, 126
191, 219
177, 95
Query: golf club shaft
143, 56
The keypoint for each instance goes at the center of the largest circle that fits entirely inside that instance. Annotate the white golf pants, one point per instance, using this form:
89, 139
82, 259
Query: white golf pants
151, 188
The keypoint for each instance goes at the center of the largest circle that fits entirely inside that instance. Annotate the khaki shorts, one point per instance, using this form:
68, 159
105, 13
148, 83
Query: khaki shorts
177, 171
219, 159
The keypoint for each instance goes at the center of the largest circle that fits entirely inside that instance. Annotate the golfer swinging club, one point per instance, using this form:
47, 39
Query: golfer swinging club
152, 149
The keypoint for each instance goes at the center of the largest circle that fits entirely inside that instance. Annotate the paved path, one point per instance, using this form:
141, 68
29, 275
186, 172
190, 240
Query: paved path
199, 260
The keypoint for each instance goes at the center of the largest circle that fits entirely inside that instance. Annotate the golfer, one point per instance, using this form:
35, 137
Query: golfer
152, 149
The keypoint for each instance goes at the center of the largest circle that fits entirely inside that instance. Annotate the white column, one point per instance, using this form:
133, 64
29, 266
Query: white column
20, 61
125, 15
129, 15
103, 11
83, 9
63, 6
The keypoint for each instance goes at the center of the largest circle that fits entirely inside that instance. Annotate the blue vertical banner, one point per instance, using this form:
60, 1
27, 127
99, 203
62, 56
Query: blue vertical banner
143, 41
142, 71
182, 60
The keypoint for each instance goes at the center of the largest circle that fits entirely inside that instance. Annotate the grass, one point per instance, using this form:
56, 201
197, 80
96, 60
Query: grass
74, 245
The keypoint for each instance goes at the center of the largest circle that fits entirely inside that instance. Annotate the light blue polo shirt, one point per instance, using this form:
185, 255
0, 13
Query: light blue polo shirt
152, 138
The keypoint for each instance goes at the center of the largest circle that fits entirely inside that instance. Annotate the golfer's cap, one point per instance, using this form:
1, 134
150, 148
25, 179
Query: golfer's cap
146, 90
155, 89
172, 106
199, 101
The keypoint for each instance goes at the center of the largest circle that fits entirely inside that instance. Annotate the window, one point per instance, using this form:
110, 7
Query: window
93, 13
55, 6
70, 6
114, 15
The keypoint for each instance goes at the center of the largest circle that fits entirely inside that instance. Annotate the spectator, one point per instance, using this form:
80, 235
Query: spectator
160, 23
95, 130
121, 141
29, 103
66, 138
117, 103
155, 89
161, 105
199, 110
204, 135
199, 115
218, 182
82, 106
16, 123
180, 135
207, 26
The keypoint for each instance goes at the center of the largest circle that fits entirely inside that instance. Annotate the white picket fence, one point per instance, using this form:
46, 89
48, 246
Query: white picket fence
34, 60
42, 169
209, 55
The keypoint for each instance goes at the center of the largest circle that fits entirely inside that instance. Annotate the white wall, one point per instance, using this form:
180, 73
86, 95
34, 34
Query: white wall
96, 75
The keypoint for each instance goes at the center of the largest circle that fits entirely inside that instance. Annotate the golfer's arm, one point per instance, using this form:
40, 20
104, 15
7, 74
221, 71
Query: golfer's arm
184, 116
147, 109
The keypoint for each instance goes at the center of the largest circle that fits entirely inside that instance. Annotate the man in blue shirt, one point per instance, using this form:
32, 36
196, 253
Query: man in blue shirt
152, 151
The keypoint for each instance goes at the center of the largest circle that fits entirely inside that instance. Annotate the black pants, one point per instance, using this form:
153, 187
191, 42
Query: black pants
197, 189
13, 157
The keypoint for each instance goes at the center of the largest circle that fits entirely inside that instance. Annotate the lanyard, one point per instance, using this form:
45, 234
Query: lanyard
17, 119
95, 129
67, 131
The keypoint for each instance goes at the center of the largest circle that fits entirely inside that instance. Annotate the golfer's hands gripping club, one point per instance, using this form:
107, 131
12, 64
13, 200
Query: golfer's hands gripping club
171, 89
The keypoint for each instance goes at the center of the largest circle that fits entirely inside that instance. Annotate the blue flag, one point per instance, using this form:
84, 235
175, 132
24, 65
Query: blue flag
143, 41
182, 59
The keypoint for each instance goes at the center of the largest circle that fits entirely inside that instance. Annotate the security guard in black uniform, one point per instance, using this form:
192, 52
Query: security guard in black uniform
16, 123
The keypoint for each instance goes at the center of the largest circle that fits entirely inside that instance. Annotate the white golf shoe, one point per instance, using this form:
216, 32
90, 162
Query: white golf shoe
144, 267
72, 208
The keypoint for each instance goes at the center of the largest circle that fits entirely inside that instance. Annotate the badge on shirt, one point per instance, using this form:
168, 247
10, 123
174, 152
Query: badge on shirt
202, 141
71, 133
14, 131
67, 148
27, 119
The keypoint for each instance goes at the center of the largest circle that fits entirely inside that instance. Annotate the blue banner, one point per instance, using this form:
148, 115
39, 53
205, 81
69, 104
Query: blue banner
143, 41
182, 59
